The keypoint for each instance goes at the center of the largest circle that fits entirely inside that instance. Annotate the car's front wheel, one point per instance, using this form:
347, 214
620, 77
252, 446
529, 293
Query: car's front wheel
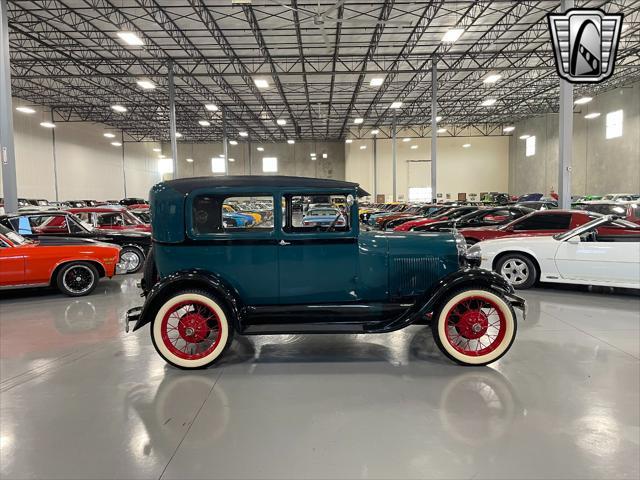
132, 258
474, 327
518, 270
191, 329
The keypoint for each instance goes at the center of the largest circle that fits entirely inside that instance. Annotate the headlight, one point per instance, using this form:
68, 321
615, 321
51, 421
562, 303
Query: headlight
461, 244
474, 255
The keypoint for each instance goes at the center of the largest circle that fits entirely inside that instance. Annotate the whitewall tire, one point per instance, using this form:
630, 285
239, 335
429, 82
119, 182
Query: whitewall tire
474, 327
191, 330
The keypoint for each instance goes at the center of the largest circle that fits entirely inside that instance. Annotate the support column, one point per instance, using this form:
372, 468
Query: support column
55, 159
394, 156
172, 119
124, 172
565, 135
7, 150
225, 143
434, 128
375, 168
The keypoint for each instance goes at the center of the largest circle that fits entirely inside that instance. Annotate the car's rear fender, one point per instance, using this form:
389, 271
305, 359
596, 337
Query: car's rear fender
189, 279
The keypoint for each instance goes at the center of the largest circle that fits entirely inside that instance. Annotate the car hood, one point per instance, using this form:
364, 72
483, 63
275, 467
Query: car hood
60, 241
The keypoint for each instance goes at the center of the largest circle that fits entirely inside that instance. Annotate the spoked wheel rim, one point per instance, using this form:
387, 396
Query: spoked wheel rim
78, 279
515, 271
191, 330
131, 260
475, 326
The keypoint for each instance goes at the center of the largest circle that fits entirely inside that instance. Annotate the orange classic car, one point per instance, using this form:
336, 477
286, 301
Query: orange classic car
72, 265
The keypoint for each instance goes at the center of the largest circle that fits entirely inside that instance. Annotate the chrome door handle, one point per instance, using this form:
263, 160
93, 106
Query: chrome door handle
283, 243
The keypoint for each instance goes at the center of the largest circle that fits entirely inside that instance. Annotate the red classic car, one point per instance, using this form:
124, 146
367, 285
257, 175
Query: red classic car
110, 218
538, 223
450, 214
72, 265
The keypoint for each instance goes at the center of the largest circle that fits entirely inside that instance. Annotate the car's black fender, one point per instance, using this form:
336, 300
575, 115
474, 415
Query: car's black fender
432, 298
185, 279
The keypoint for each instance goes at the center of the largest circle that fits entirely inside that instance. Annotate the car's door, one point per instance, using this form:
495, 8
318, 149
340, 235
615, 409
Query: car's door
599, 261
244, 256
12, 262
318, 264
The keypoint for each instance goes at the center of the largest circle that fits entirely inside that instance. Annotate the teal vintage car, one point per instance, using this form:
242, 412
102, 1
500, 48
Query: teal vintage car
282, 276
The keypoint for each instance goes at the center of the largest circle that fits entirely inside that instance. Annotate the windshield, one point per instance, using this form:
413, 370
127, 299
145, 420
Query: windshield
597, 222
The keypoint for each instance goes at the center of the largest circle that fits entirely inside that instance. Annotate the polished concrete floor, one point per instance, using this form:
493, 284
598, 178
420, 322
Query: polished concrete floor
80, 399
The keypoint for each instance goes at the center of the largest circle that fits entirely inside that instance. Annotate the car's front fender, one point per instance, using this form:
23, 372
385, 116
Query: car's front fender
185, 279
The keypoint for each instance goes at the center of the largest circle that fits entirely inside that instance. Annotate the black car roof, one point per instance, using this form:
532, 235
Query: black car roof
185, 185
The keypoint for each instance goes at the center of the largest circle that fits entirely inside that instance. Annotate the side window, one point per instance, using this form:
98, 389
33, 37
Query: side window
49, 225
316, 213
110, 220
545, 222
219, 214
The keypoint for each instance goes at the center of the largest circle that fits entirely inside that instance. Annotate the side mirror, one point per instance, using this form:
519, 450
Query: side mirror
350, 200
575, 240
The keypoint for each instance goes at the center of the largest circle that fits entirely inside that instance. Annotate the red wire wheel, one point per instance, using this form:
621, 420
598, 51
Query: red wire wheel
191, 330
475, 326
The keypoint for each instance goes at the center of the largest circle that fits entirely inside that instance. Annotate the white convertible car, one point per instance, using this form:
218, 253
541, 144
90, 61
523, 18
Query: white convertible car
579, 256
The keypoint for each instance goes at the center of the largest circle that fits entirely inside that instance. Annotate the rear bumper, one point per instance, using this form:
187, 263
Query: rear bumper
132, 315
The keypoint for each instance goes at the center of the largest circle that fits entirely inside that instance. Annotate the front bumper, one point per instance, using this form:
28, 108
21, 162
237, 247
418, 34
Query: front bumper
132, 315
121, 269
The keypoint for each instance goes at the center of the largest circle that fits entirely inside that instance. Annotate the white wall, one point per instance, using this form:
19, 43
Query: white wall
482, 167
88, 166
600, 165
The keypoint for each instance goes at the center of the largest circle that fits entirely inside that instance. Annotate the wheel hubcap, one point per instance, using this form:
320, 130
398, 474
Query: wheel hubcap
131, 260
515, 271
191, 330
78, 279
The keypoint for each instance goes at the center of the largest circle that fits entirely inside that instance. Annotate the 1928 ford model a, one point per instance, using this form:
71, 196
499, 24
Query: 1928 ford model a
289, 276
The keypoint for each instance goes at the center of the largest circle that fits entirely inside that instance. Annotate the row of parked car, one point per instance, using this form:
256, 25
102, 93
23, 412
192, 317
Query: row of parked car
595, 243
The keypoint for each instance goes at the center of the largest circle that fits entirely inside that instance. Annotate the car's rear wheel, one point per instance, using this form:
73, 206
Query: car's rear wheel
132, 258
518, 270
474, 327
191, 329
77, 279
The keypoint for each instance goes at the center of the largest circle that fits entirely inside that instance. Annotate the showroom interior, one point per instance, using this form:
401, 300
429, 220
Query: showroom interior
325, 178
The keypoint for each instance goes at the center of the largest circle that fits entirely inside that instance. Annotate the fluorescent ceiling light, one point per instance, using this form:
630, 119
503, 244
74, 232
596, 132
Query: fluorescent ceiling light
260, 149
261, 83
493, 78
116, 144
508, 129
375, 131
313, 154
204, 123
524, 137
313, 159
589, 116
324, 155
583, 100
243, 134
211, 107
48, 125
466, 145
27, 110
488, 102
414, 147
452, 35
363, 147
442, 130
291, 141
118, 108
348, 140
376, 81
358, 121
406, 139
396, 105
221, 155
438, 118
232, 159
155, 149
131, 38
146, 84
111, 135
281, 121
233, 142
178, 135
189, 160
